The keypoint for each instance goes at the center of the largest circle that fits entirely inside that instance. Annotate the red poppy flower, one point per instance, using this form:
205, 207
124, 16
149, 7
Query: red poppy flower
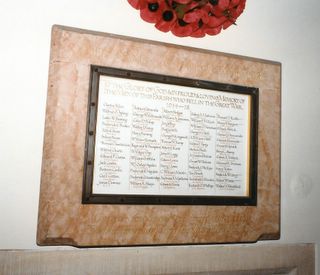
216, 21
233, 13
167, 20
182, 29
200, 32
234, 7
152, 11
204, 29
196, 15
238, 9
226, 12
213, 31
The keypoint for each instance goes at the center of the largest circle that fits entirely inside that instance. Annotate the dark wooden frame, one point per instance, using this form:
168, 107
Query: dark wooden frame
89, 198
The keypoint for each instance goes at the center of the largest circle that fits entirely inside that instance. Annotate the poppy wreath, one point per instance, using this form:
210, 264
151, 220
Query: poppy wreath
195, 18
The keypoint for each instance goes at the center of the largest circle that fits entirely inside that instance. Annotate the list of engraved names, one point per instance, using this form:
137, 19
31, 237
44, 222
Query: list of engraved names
160, 139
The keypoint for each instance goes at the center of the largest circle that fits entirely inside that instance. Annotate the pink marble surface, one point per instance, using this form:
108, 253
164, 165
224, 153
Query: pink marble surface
64, 220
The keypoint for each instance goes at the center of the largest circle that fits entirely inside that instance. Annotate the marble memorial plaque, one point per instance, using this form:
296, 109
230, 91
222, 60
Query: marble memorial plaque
159, 124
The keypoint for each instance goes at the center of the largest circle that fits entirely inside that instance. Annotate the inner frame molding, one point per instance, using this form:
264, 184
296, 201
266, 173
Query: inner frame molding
64, 220
209, 145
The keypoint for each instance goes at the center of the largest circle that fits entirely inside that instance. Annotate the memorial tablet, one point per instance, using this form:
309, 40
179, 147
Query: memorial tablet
155, 139
168, 157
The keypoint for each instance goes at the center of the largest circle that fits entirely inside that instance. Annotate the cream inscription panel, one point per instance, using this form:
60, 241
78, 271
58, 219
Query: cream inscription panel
162, 139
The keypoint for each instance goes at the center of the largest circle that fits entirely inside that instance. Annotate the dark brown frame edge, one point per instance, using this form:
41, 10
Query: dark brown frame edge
89, 198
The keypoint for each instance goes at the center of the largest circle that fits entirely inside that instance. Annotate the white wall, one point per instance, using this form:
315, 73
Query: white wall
284, 30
